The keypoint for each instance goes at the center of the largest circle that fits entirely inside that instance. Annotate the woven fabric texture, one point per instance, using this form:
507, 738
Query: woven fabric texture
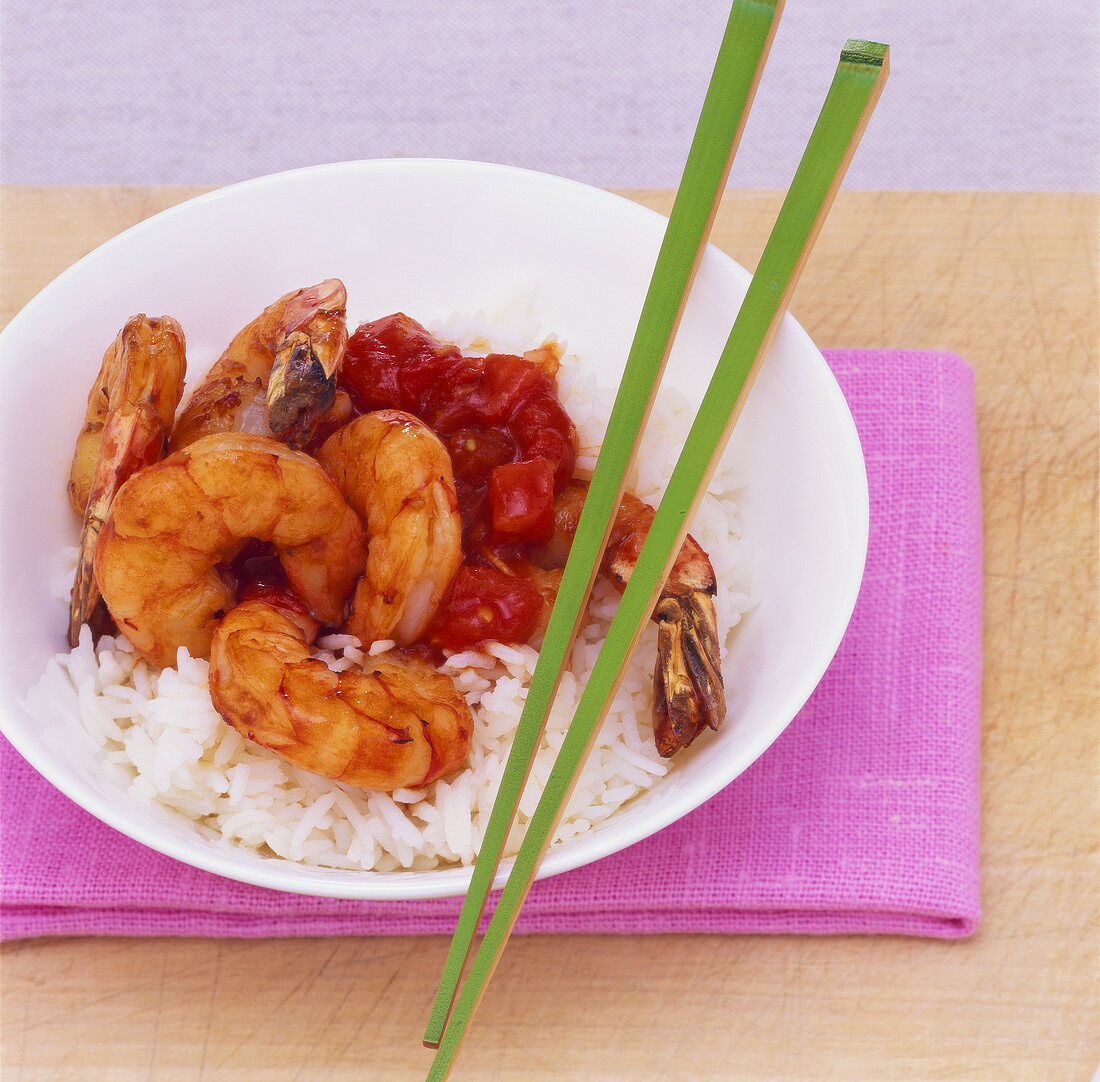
861, 818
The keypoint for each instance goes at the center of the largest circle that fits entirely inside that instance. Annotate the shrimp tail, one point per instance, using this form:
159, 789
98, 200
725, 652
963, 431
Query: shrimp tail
277, 377
85, 594
689, 695
299, 391
133, 401
128, 444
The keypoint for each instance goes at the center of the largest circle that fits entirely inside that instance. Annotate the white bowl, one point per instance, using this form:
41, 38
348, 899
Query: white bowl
431, 238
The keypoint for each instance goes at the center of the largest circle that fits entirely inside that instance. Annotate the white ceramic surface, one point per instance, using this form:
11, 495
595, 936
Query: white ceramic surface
430, 238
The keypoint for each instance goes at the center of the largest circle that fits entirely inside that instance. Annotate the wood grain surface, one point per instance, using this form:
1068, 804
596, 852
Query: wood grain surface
1009, 281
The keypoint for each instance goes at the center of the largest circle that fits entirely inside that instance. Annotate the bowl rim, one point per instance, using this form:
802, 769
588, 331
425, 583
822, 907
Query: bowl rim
450, 882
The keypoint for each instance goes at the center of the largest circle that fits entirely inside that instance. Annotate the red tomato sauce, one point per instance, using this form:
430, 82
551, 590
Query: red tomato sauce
512, 448
256, 574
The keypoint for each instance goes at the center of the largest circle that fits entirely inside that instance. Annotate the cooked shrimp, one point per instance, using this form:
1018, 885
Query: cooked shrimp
396, 474
278, 375
173, 522
688, 695
392, 725
130, 410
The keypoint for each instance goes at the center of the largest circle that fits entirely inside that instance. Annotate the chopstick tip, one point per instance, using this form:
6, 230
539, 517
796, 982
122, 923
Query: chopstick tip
857, 51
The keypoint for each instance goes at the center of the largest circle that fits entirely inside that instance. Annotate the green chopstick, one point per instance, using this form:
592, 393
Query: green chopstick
741, 57
848, 105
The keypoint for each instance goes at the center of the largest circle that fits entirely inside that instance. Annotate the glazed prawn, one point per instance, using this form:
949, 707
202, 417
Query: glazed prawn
396, 474
278, 375
173, 522
688, 693
394, 724
130, 410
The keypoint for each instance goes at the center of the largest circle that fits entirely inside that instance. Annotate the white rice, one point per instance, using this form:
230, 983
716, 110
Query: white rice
160, 734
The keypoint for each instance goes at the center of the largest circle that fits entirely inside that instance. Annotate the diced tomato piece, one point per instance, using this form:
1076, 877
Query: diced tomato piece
522, 497
491, 389
393, 362
476, 452
543, 428
483, 603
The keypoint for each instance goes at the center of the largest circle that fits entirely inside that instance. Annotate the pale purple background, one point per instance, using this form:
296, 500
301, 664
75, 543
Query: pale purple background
988, 96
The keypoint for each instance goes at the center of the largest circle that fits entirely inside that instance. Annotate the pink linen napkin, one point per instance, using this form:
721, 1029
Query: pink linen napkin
861, 818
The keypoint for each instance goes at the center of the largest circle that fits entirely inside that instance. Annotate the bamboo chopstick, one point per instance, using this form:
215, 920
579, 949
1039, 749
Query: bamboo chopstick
741, 57
855, 89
